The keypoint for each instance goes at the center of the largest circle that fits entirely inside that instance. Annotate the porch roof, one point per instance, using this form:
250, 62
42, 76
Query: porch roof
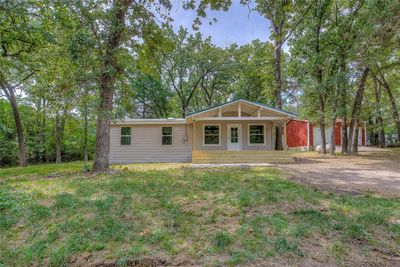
273, 113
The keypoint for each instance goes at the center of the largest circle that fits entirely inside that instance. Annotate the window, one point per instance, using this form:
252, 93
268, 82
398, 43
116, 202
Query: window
125, 135
256, 134
211, 134
166, 135
234, 135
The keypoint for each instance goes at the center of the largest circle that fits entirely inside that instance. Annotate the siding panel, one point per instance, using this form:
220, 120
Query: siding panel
146, 145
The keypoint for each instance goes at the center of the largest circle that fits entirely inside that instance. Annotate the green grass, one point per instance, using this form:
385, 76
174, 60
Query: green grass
48, 213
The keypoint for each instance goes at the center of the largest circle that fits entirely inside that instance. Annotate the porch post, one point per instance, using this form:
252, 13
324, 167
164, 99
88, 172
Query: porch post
240, 109
193, 135
284, 136
273, 135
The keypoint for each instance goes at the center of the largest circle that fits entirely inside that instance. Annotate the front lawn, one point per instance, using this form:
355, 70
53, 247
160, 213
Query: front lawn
170, 214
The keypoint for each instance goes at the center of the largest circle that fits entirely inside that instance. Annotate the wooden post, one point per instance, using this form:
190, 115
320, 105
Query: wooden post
240, 109
273, 136
259, 112
219, 112
193, 135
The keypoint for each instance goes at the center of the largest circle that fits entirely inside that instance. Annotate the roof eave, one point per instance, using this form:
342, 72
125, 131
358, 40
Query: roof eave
246, 101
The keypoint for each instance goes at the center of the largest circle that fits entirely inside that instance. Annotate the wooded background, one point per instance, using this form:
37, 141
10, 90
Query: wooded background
67, 68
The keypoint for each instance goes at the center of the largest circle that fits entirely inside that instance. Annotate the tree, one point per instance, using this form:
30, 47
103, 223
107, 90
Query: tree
254, 73
311, 53
284, 21
394, 110
379, 120
183, 67
21, 31
355, 113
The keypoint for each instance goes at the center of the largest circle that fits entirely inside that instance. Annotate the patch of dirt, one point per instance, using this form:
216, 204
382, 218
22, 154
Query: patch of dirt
376, 172
47, 202
98, 260
282, 207
289, 261
204, 207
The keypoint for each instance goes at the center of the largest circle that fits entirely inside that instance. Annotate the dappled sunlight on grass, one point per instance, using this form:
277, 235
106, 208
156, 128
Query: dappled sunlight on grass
150, 166
41, 171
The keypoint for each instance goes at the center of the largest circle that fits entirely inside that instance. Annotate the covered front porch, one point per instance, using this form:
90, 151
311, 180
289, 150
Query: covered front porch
237, 132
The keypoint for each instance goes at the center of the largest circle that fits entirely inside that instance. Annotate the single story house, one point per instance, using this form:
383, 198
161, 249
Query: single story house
237, 131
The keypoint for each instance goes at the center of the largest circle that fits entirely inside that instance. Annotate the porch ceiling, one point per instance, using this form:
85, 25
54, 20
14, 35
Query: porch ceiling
240, 110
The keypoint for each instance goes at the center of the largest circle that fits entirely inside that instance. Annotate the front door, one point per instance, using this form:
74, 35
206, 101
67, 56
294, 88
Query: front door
234, 137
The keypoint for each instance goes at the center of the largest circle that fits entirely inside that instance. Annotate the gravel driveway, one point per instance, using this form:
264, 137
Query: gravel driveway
374, 170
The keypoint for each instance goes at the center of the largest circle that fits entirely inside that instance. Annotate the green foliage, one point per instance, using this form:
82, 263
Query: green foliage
39, 139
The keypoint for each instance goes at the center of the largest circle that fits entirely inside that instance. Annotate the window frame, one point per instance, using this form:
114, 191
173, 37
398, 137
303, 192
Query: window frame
264, 134
219, 134
171, 135
125, 135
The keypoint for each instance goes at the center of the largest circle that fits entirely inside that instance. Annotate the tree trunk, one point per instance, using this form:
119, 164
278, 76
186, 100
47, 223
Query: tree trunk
183, 109
356, 108
318, 76
382, 141
379, 120
58, 137
395, 112
321, 110
322, 125
85, 139
278, 87
44, 133
333, 127
356, 133
10, 94
333, 121
344, 134
107, 80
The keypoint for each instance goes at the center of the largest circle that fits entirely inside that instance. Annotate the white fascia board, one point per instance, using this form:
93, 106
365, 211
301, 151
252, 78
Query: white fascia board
149, 121
266, 118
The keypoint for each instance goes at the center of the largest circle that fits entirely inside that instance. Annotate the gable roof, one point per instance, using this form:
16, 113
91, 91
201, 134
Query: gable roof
242, 100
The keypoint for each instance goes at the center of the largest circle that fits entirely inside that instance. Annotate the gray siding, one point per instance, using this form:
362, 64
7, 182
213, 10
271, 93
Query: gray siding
146, 145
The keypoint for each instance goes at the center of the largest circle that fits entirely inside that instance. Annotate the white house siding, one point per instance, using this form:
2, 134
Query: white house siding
146, 144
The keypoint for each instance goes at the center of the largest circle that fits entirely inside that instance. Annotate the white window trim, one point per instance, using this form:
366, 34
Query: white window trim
125, 135
219, 134
248, 134
172, 136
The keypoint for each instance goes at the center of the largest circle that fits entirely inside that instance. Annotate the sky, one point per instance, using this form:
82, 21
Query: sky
237, 25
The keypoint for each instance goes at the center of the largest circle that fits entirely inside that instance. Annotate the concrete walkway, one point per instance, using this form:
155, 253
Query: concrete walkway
211, 165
